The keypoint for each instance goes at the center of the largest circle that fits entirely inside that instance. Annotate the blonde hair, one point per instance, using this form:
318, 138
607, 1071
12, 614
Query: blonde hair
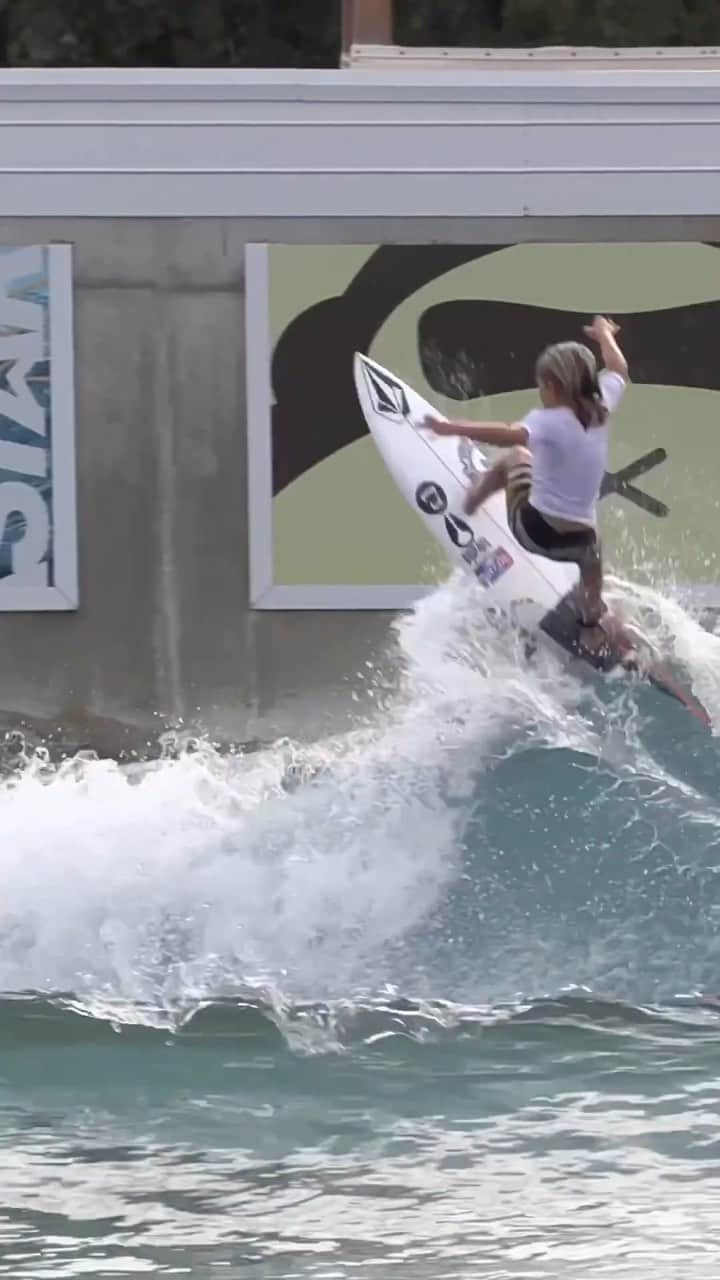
572, 368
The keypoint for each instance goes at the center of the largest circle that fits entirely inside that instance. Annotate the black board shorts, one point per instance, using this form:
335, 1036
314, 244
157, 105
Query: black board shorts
535, 533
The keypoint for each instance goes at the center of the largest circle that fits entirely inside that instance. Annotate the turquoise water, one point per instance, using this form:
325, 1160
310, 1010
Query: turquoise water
435, 997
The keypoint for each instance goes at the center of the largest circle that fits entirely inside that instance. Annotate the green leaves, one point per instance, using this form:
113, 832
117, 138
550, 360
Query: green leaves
170, 33
507, 23
306, 33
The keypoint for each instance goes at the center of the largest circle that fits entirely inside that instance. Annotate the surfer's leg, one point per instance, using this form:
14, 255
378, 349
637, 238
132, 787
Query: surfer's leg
496, 478
591, 582
592, 634
492, 481
591, 605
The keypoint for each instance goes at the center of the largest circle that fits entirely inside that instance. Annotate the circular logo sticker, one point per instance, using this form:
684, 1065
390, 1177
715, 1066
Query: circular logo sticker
431, 498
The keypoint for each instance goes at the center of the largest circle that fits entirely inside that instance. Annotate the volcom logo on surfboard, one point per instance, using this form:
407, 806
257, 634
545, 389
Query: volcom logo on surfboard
387, 396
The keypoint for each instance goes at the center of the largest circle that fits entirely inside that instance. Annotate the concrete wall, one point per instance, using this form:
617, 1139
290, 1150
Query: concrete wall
164, 628
164, 631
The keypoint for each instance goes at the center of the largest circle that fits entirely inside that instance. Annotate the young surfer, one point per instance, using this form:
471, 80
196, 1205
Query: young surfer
557, 457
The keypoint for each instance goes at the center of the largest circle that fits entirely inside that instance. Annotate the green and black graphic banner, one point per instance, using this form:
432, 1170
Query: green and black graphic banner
463, 324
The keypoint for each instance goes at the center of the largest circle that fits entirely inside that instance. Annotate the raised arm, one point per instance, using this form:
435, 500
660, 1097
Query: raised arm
503, 434
603, 331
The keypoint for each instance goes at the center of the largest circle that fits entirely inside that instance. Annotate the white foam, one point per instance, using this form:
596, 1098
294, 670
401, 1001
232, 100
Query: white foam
292, 870
676, 634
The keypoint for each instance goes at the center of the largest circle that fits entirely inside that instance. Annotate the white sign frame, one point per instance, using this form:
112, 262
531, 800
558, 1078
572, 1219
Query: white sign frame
23, 590
265, 593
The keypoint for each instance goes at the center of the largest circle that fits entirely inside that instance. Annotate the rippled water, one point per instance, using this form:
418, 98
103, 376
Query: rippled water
436, 997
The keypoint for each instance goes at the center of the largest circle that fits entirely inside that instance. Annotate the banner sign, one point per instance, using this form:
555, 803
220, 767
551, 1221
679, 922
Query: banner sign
463, 325
38, 534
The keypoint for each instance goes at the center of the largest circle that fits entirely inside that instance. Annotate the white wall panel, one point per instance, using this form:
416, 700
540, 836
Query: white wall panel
110, 143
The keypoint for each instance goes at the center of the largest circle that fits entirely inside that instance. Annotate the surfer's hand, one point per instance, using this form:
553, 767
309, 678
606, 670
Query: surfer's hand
601, 327
439, 426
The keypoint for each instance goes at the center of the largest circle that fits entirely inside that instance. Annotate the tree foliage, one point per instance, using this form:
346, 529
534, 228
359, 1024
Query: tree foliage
170, 33
557, 22
278, 33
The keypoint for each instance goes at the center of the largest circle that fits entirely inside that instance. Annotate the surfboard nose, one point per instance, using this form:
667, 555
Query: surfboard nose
381, 393
360, 365
363, 365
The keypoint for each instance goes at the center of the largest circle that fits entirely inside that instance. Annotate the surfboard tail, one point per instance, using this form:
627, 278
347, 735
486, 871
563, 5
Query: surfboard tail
659, 675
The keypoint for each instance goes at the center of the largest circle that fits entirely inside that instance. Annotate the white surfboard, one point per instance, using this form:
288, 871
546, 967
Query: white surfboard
433, 474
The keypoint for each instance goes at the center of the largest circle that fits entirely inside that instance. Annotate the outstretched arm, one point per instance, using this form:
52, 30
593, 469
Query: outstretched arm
603, 331
503, 434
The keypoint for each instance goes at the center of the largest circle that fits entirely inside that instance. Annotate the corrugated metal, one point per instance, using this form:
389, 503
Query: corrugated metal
360, 144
